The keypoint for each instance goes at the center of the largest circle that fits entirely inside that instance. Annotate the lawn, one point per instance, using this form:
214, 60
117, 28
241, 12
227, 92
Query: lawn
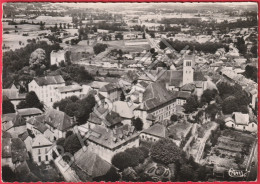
120, 44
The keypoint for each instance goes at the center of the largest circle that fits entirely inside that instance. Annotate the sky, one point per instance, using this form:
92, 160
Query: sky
140, 5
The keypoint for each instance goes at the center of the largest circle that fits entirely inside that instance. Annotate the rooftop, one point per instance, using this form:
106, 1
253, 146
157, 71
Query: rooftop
49, 80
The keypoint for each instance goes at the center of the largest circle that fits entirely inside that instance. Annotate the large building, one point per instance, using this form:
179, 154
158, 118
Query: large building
155, 103
45, 88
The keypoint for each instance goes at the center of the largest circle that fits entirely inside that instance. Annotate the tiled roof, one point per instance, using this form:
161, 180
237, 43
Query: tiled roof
91, 163
40, 140
69, 88
24, 135
113, 138
29, 111
13, 94
109, 87
49, 80
157, 130
156, 94
98, 84
124, 109
188, 87
15, 119
111, 118
58, 119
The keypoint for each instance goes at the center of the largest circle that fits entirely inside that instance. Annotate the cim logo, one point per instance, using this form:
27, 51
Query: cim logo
237, 173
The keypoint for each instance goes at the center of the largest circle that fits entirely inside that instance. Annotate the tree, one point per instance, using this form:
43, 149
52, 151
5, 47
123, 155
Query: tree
139, 155
165, 151
121, 160
137, 123
7, 106
229, 105
99, 47
31, 100
8, 175
174, 117
72, 144
212, 110
221, 123
37, 59
186, 173
208, 95
191, 104
112, 176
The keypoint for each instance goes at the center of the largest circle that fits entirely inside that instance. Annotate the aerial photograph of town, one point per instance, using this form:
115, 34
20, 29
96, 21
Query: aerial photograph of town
133, 92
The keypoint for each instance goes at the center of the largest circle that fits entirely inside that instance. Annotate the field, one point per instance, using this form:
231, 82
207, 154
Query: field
12, 39
120, 44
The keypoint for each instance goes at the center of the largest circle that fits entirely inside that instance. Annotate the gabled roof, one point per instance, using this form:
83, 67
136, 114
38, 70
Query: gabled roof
91, 163
58, 119
13, 120
24, 135
40, 140
109, 87
241, 119
157, 130
113, 138
156, 94
49, 80
70, 88
124, 109
112, 118
13, 94
29, 111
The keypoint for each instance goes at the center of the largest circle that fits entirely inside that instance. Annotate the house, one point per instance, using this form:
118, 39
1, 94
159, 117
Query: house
154, 133
41, 149
27, 139
90, 164
57, 57
111, 91
14, 124
29, 112
45, 88
156, 101
68, 91
125, 111
107, 142
56, 121
104, 117
13, 95
241, 121
37, 126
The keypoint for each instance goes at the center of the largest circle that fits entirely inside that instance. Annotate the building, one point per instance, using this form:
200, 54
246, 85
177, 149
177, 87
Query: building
107, 142
90, 165
14, 124
29, 112
68, 91
41, 150
45, 88
111, 91
53, 124
155, 102
57, 57
241, 121
13, 95
154, 133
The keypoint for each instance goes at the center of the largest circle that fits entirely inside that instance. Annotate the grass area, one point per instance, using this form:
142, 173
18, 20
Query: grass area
120, 44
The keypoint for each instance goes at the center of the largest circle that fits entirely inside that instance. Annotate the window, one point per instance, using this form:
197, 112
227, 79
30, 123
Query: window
39, 151
46, 158
46, 150
39, 159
